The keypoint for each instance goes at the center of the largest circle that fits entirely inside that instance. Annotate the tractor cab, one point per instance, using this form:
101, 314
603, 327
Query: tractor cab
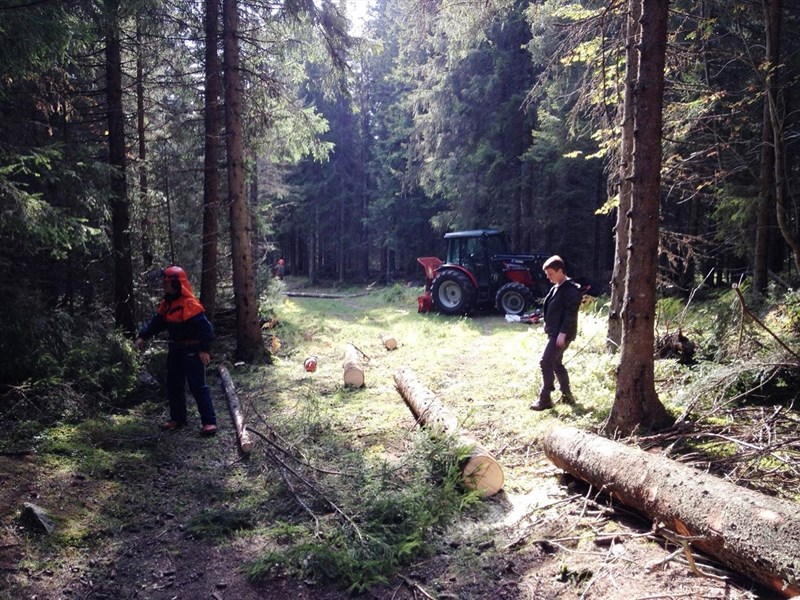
474, 251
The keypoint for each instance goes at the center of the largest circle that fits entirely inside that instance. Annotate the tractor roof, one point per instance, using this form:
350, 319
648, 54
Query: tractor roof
472, 233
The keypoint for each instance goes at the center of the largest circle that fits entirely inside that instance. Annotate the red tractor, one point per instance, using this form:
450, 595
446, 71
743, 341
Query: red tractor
480, 273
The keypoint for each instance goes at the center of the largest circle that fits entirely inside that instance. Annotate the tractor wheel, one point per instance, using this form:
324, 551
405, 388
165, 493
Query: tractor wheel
453, 293
513, 299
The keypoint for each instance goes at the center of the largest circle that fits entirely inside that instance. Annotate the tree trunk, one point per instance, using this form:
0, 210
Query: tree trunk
249, 343
120, 220
636, 404
614, 336
144, 192
211, 200
773, 11
245, 441
479, 470
353, 370
766, 203
754, 534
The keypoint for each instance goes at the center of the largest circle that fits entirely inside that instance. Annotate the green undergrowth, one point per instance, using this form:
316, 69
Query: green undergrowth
343, 487
399, 510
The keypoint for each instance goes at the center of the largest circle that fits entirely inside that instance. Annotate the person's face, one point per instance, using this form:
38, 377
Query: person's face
171, 286
554, 276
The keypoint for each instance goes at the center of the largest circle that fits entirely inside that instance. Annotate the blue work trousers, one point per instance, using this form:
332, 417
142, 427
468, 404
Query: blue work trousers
184, 366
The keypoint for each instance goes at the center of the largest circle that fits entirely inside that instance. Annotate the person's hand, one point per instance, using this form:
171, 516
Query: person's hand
561, 340
138, 343
205, 358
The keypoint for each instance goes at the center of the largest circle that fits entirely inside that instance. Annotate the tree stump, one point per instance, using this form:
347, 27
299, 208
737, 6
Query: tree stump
754, 534
479, 470
389, 342
353, 369
245, 441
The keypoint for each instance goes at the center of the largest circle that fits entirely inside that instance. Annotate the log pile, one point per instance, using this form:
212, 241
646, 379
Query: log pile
754, 534
480, 471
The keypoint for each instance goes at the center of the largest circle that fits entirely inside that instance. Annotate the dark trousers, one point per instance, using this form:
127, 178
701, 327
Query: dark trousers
185, 366
553, 368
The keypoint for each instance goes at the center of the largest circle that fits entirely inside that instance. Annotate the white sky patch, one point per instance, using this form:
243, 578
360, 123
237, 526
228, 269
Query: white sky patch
357, 13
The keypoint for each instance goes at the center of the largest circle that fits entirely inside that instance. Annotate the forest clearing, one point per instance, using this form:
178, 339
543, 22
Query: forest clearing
278, 173
343, 493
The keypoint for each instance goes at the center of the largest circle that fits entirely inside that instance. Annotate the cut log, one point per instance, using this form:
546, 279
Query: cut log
389, 342
353, 370
754, 534
479, 470
245, 441
323, 295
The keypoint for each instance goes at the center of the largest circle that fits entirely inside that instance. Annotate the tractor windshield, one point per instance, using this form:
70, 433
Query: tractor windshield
496, 244
463, 250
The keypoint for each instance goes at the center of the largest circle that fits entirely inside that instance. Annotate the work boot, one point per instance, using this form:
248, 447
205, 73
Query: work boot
567, 397
543, 403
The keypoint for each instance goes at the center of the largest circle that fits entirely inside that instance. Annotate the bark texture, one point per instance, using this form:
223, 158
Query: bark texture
754, 534
614, 337
636, 405
120, 219
245, 441
249, 343
211, 200
479, 470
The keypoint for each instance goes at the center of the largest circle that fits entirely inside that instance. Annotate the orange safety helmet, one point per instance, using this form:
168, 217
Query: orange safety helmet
178, 276
174, 272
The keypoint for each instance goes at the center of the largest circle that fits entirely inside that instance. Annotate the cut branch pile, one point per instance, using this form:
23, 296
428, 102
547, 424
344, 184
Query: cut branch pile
480, 470
754, 534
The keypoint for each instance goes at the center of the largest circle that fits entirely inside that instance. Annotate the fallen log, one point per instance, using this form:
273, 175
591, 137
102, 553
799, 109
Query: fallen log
479, 470
245, 441
323, 295
754, 534
353, 369
389, 342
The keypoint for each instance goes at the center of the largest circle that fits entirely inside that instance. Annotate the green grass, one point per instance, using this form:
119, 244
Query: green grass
398, 489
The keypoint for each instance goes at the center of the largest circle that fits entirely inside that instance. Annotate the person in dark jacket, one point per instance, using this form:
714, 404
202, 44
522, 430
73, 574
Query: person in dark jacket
190, 336
560, 314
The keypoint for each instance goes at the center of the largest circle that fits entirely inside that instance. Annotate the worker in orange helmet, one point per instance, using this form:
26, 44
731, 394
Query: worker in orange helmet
280, 269
190, 336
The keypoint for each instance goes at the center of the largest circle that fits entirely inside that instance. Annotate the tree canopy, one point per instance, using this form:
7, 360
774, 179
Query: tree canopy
357, 153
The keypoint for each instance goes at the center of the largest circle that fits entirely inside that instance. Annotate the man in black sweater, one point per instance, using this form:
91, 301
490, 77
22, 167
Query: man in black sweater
561, 326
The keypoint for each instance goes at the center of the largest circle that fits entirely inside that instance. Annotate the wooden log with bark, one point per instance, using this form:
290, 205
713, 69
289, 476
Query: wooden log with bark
353, 368
323, 295
479, 470
389, 341
245, 441
754, 534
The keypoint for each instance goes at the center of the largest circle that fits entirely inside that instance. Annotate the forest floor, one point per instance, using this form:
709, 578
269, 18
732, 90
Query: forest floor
132, 505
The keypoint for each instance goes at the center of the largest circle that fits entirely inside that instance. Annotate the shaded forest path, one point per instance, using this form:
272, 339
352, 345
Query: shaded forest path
130, 520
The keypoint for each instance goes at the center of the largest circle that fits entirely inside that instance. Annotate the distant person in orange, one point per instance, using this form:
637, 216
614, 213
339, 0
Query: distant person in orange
280, 269
190, 336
